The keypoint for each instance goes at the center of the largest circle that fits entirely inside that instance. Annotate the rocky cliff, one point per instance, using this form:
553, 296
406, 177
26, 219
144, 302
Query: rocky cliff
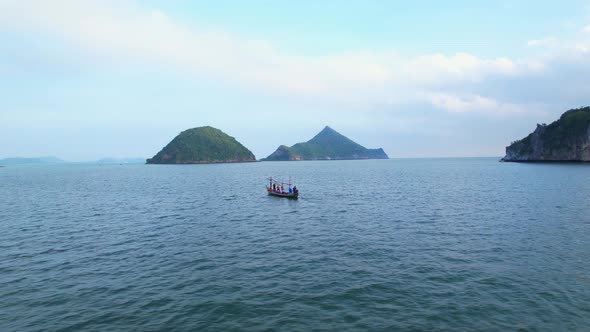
567, 139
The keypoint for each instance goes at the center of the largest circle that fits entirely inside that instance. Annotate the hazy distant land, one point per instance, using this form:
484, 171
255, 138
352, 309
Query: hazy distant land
54, 161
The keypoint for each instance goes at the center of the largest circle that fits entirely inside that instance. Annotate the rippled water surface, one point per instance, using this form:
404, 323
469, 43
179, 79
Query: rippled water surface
440, 244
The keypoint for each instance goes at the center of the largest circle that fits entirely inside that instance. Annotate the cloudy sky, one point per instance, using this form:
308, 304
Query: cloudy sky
83, 80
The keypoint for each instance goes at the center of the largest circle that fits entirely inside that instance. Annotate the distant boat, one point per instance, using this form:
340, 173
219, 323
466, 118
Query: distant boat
277, 188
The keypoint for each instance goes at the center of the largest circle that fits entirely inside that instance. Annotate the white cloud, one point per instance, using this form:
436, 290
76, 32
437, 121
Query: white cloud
545, 42
437, 68
123, 30
566, 49
474, 104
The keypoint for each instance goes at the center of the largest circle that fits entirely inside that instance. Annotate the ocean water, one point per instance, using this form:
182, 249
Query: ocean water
424, 244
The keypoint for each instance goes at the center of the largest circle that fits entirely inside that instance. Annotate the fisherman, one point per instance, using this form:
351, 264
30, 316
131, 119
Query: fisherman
290, 190
274, 187
295, 191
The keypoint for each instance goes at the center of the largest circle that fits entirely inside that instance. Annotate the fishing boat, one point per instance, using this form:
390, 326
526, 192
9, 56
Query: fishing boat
277, 188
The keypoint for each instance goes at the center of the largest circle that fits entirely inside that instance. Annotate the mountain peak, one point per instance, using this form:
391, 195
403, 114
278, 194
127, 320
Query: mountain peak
328, 130
328, 144
328, 134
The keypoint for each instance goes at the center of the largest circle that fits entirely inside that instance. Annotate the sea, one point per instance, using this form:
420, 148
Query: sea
465, 244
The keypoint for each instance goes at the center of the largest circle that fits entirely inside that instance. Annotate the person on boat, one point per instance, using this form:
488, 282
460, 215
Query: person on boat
295, 191
290, 190
279, 188
274, 187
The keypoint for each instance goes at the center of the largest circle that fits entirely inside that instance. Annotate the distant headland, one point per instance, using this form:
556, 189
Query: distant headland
31, 161
567, 139
202, 145
326, 145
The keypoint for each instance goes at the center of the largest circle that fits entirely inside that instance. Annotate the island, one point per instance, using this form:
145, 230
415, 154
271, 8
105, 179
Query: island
202, 145
120, 161
31, 161
567, 139
327, 145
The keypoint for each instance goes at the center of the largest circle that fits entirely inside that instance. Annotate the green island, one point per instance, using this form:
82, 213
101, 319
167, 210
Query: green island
202, 145
567, 139
327, 145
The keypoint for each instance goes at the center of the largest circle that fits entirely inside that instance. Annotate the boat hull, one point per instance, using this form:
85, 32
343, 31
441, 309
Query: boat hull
284, 195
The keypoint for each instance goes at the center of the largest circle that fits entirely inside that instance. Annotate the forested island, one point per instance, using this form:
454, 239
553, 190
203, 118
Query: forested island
202, 145
327, 145
567, 139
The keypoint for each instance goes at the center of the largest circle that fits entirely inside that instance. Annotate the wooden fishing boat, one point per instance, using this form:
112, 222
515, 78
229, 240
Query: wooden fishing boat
282, 194
277, 188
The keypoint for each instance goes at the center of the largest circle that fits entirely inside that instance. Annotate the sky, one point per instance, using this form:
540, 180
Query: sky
84, 80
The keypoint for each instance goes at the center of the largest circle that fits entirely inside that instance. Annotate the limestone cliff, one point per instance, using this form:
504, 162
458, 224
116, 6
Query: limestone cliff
567, 139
